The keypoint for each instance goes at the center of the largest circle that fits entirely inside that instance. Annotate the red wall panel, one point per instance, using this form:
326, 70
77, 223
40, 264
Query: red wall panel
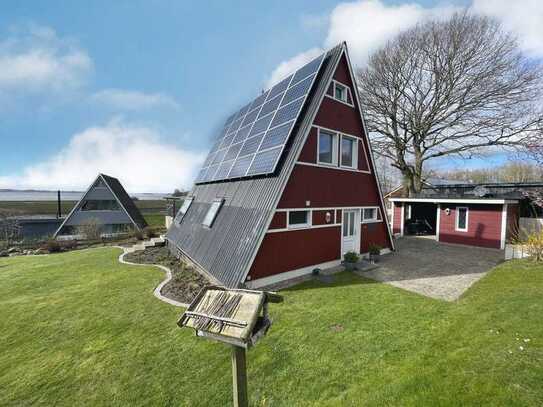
279, 220
328, 187
286, 251
309, 150
375, 233
484, 226
319, 217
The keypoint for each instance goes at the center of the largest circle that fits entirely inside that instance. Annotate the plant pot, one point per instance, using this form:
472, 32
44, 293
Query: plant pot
349, 266
374, 258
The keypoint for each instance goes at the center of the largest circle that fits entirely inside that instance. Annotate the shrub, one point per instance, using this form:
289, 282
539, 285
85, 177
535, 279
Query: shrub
138, 234
534, 245
52, 246
374, 249
69, 244
150, 232
351, 257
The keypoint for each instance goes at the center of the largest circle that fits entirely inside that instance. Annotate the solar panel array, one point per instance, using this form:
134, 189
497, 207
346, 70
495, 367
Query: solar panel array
252, 139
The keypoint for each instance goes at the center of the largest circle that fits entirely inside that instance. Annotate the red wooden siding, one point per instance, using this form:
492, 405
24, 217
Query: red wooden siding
325, 187
484, 226
512, 222
319, 217
286, 251
309, 150
362, 157
279, 220
397, 218
375, 233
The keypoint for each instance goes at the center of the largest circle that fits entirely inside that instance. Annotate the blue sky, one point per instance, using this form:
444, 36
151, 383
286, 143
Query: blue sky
136, 88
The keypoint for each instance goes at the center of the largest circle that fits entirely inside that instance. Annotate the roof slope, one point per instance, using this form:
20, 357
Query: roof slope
225, 251
124, 199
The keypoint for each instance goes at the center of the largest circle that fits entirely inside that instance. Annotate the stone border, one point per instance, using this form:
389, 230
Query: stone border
158, 289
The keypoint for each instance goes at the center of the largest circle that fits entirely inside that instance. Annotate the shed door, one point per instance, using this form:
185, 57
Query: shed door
350, 231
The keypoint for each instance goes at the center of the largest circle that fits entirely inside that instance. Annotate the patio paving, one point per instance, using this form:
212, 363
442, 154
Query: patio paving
434, 269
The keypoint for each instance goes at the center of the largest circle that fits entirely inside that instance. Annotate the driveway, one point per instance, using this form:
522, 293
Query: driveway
434, 269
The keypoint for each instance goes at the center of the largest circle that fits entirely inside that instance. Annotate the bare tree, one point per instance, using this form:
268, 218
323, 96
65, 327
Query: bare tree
91, 229
453, 87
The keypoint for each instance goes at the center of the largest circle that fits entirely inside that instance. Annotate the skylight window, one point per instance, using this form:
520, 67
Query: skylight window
183, 210
212, 212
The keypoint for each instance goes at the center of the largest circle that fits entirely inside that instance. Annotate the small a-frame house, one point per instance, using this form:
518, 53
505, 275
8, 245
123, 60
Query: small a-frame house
107, 202
289, 184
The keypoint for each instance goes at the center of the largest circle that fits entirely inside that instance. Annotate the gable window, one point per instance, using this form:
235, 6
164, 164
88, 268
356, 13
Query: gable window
462, 219
183, 210
327, 147
370, 214
102, 205
212, 212
348, 152
340, 92
298, 219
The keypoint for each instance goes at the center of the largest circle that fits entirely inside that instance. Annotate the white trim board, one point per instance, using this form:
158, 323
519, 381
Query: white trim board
455, 200
504, 227
288, 275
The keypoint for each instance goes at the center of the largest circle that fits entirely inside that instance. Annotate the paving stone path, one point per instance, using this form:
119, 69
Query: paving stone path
434, 269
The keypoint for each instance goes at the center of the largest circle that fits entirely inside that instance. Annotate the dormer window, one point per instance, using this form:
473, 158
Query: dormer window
183, 210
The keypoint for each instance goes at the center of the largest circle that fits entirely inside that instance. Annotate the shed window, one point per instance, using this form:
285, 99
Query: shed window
327, 147
348, 152
369, 214
212, 212
462, 219
298, 219
183, 210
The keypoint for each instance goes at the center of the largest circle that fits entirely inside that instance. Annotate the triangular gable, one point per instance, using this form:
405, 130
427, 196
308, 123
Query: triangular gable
118, 193
354, 124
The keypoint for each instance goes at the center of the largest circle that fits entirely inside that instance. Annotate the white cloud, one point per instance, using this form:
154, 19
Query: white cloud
524, 18
133, 100
36, 60
134, 154
290, 65
367, 25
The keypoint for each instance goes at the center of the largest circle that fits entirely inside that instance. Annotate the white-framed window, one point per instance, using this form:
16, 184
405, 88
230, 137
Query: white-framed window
340, 92
212, 212
349, 152
183, 210
462, 215
327, 147
298, 219
370, 214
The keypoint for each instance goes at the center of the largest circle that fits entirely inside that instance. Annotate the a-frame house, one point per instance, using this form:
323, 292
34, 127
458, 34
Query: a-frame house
107, 202
288, 186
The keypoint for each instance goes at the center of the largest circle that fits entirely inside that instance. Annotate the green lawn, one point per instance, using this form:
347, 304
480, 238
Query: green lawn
80, 328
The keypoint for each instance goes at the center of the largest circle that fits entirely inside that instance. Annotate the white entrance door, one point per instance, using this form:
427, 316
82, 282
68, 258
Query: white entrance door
350, 232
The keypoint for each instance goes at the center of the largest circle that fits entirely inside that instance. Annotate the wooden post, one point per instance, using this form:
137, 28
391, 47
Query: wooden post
239, 377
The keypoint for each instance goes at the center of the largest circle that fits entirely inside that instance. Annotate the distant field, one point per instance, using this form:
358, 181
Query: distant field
153, 210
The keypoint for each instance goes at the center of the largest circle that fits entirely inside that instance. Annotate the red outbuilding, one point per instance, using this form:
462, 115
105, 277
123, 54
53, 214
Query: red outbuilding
289, 184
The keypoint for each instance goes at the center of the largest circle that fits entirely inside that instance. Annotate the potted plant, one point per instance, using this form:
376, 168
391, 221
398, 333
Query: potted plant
350, 259
375, 252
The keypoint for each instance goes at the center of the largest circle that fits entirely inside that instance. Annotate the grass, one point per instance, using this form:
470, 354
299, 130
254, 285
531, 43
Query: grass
80, 328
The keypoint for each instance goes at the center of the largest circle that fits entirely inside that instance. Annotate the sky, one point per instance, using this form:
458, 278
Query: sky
137, 89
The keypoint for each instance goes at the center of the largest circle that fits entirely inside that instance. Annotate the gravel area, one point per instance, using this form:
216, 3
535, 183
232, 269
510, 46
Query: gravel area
186, 282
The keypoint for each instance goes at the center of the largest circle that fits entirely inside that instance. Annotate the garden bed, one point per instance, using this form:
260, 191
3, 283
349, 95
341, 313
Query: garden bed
186, 282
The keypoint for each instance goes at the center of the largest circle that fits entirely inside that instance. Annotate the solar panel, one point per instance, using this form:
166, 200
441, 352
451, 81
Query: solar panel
253, 138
